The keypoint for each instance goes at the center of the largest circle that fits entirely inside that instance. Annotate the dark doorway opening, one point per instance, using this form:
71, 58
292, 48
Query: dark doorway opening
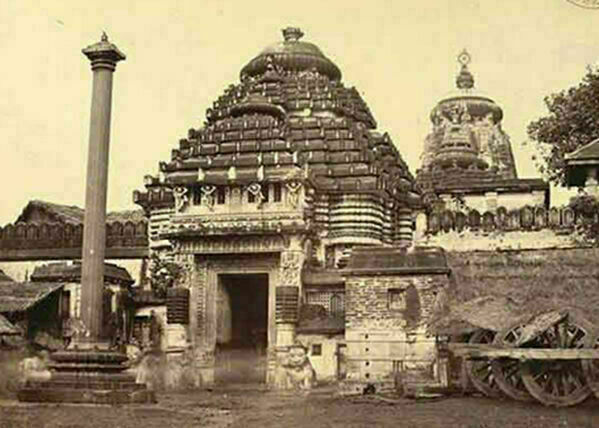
242, 328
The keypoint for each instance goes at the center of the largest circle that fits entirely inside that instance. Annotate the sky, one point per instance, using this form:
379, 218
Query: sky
181, 55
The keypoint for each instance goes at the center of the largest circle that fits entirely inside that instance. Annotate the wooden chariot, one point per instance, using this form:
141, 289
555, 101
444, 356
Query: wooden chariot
552, 358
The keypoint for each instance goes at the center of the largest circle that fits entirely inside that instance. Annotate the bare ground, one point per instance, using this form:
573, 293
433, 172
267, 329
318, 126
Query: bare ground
251, 406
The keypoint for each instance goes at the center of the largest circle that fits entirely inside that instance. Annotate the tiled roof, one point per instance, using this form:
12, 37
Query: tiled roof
7, 328
71, 214
20, 296
589, 151
290, 110
63, 272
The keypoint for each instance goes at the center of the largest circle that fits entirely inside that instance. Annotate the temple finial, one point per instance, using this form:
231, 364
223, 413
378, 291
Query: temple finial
104, 36
464, 58
292, 34
465, 80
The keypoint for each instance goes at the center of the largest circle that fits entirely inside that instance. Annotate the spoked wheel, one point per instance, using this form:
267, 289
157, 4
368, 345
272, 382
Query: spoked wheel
591, 368
479, 371
559, 383
506, 370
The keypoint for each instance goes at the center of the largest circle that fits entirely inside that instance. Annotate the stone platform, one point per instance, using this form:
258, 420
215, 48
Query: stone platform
88, 376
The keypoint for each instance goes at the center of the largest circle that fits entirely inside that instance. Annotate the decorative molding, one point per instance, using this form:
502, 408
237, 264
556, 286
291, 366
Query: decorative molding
234, 245
291, 268
234, 224
525, 218
28, 236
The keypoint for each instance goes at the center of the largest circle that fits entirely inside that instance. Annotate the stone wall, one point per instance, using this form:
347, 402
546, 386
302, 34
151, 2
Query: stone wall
391, 302
479, 240
322, 352
386, 318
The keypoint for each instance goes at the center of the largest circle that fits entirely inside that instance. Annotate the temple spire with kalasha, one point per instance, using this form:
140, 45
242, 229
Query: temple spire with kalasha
467, 147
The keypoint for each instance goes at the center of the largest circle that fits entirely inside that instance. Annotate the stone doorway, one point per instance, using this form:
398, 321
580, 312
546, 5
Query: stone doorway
241, 328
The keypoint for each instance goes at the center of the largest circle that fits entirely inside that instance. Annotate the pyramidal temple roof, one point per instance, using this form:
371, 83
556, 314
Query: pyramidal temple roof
290, 112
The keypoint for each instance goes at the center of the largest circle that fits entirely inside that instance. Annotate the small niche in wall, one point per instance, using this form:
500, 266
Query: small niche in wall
396, 299
406, 302
316, 349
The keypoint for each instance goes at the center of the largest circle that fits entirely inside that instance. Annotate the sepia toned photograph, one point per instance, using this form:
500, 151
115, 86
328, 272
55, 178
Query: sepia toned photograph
307, 214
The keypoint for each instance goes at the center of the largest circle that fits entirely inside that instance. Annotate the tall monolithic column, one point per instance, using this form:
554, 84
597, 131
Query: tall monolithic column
104, 57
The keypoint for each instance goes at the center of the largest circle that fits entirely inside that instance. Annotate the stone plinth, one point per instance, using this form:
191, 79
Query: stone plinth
87, 376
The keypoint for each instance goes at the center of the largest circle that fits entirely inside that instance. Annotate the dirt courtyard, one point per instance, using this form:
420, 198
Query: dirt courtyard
252, 406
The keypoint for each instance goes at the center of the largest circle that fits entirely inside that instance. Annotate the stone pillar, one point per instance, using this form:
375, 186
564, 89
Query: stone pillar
287, 295
103, 57
90, 372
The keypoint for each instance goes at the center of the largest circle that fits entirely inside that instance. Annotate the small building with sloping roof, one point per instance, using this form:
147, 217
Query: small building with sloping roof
34, 307
391, 296
582, 166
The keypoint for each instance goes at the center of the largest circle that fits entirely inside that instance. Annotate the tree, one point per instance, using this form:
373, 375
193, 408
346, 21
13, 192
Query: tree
163, 275
573, 121
586, 208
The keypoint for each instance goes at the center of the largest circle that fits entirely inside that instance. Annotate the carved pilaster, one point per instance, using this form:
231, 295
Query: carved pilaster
200, 292
291, 268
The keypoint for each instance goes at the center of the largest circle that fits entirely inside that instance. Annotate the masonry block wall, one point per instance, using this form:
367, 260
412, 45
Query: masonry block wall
386, 318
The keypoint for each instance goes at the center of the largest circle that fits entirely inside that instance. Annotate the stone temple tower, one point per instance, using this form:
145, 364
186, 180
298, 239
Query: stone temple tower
467, 144
288, 171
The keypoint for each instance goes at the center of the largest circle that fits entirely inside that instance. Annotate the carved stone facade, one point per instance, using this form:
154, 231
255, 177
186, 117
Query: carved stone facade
287, 168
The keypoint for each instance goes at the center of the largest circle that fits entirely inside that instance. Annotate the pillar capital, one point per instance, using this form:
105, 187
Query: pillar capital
103, 54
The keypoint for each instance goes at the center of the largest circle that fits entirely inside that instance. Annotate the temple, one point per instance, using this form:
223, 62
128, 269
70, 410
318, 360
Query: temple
287, 175
468, 156
286, 241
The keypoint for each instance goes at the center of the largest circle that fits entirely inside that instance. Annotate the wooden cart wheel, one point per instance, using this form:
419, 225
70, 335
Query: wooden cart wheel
506, 371
591, 368
559, 383
479, 371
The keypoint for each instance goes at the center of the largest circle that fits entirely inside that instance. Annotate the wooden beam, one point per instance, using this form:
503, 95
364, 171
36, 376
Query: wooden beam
23, 255
474, 352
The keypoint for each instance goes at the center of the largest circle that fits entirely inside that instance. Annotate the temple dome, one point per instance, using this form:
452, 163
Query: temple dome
467, 143
292, 54
291, 117
477, 104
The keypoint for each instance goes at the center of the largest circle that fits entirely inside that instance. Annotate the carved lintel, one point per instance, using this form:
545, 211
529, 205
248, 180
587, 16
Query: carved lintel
235, 245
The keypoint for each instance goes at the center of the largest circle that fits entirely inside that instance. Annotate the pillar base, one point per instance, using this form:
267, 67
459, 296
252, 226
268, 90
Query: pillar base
87, 376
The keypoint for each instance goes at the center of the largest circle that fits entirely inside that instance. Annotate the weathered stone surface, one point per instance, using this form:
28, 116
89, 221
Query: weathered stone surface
294, 371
